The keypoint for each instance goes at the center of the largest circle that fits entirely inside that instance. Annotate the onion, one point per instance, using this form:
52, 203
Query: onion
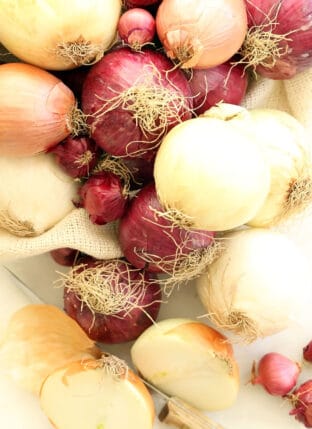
77, 156
140, 3
102, 393
307, 352
132, 99
104, 197
276, 373
285, 144
35, 194
258, 285
302, 401
201, 33
39, 339
140, 169
65, 256
211, 173
189, 360
55, 35
221, 83
37, 110
111, 300
278, 44
150, 240
136, 27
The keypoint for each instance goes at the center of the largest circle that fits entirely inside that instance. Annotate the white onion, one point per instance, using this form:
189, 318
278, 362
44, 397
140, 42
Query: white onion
35, 194
257, 286
212, 173
57, 34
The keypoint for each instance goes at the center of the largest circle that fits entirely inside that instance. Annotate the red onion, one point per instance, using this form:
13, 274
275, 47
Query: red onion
111, 300
302, 401
103, 197
132, 99
65, 256
276, 373
151, 241
221, 83
136, 27
77, 155
140, 3
141, 171
279, 40
307, 352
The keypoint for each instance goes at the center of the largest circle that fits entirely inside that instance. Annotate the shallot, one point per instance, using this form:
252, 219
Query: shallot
301, 398
276, 373
136, 27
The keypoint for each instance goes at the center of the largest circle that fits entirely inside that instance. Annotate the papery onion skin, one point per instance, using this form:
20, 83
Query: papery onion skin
124, 325
35, 110
202, 33
290, 19
143, 231
55, 35
117, 130
201, 170
223, 83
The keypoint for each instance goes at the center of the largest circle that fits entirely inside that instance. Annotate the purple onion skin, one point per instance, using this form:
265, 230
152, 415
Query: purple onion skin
64, 256
103, 198
222, 83
141, 229
117, 131
121, 327
302, 400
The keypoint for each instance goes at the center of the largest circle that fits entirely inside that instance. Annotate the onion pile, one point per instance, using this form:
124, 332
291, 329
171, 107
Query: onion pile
152, 138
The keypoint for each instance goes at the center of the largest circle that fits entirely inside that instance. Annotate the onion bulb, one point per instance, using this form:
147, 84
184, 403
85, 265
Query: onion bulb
285, 144
201, 33
58, 35
37, 111
39, 339
211, 173
190, 360
257, 286
97, 393
35, 194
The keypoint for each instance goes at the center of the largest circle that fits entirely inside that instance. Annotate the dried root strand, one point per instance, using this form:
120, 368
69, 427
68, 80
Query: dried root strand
153, 106
16, 226
105, 288
238, 323
77, 123
175, 217
299, 196
79, 52
262, 46
111, 364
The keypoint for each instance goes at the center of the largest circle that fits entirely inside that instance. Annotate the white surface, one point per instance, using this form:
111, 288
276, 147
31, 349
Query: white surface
254, 408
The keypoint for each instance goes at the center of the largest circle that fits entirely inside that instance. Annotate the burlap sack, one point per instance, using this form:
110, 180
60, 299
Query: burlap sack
76, 231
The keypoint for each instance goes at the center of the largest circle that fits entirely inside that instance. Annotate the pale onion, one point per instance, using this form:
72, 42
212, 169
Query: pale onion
288, 152
257, 287
37, 110
58, 35
201, 33
190, 360
211, 173
35, 194
39, 339
102, 393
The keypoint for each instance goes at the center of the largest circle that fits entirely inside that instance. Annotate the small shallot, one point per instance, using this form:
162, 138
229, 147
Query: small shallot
276, 373
77, 156
104, 197
136, 27
307, 352
301, 398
